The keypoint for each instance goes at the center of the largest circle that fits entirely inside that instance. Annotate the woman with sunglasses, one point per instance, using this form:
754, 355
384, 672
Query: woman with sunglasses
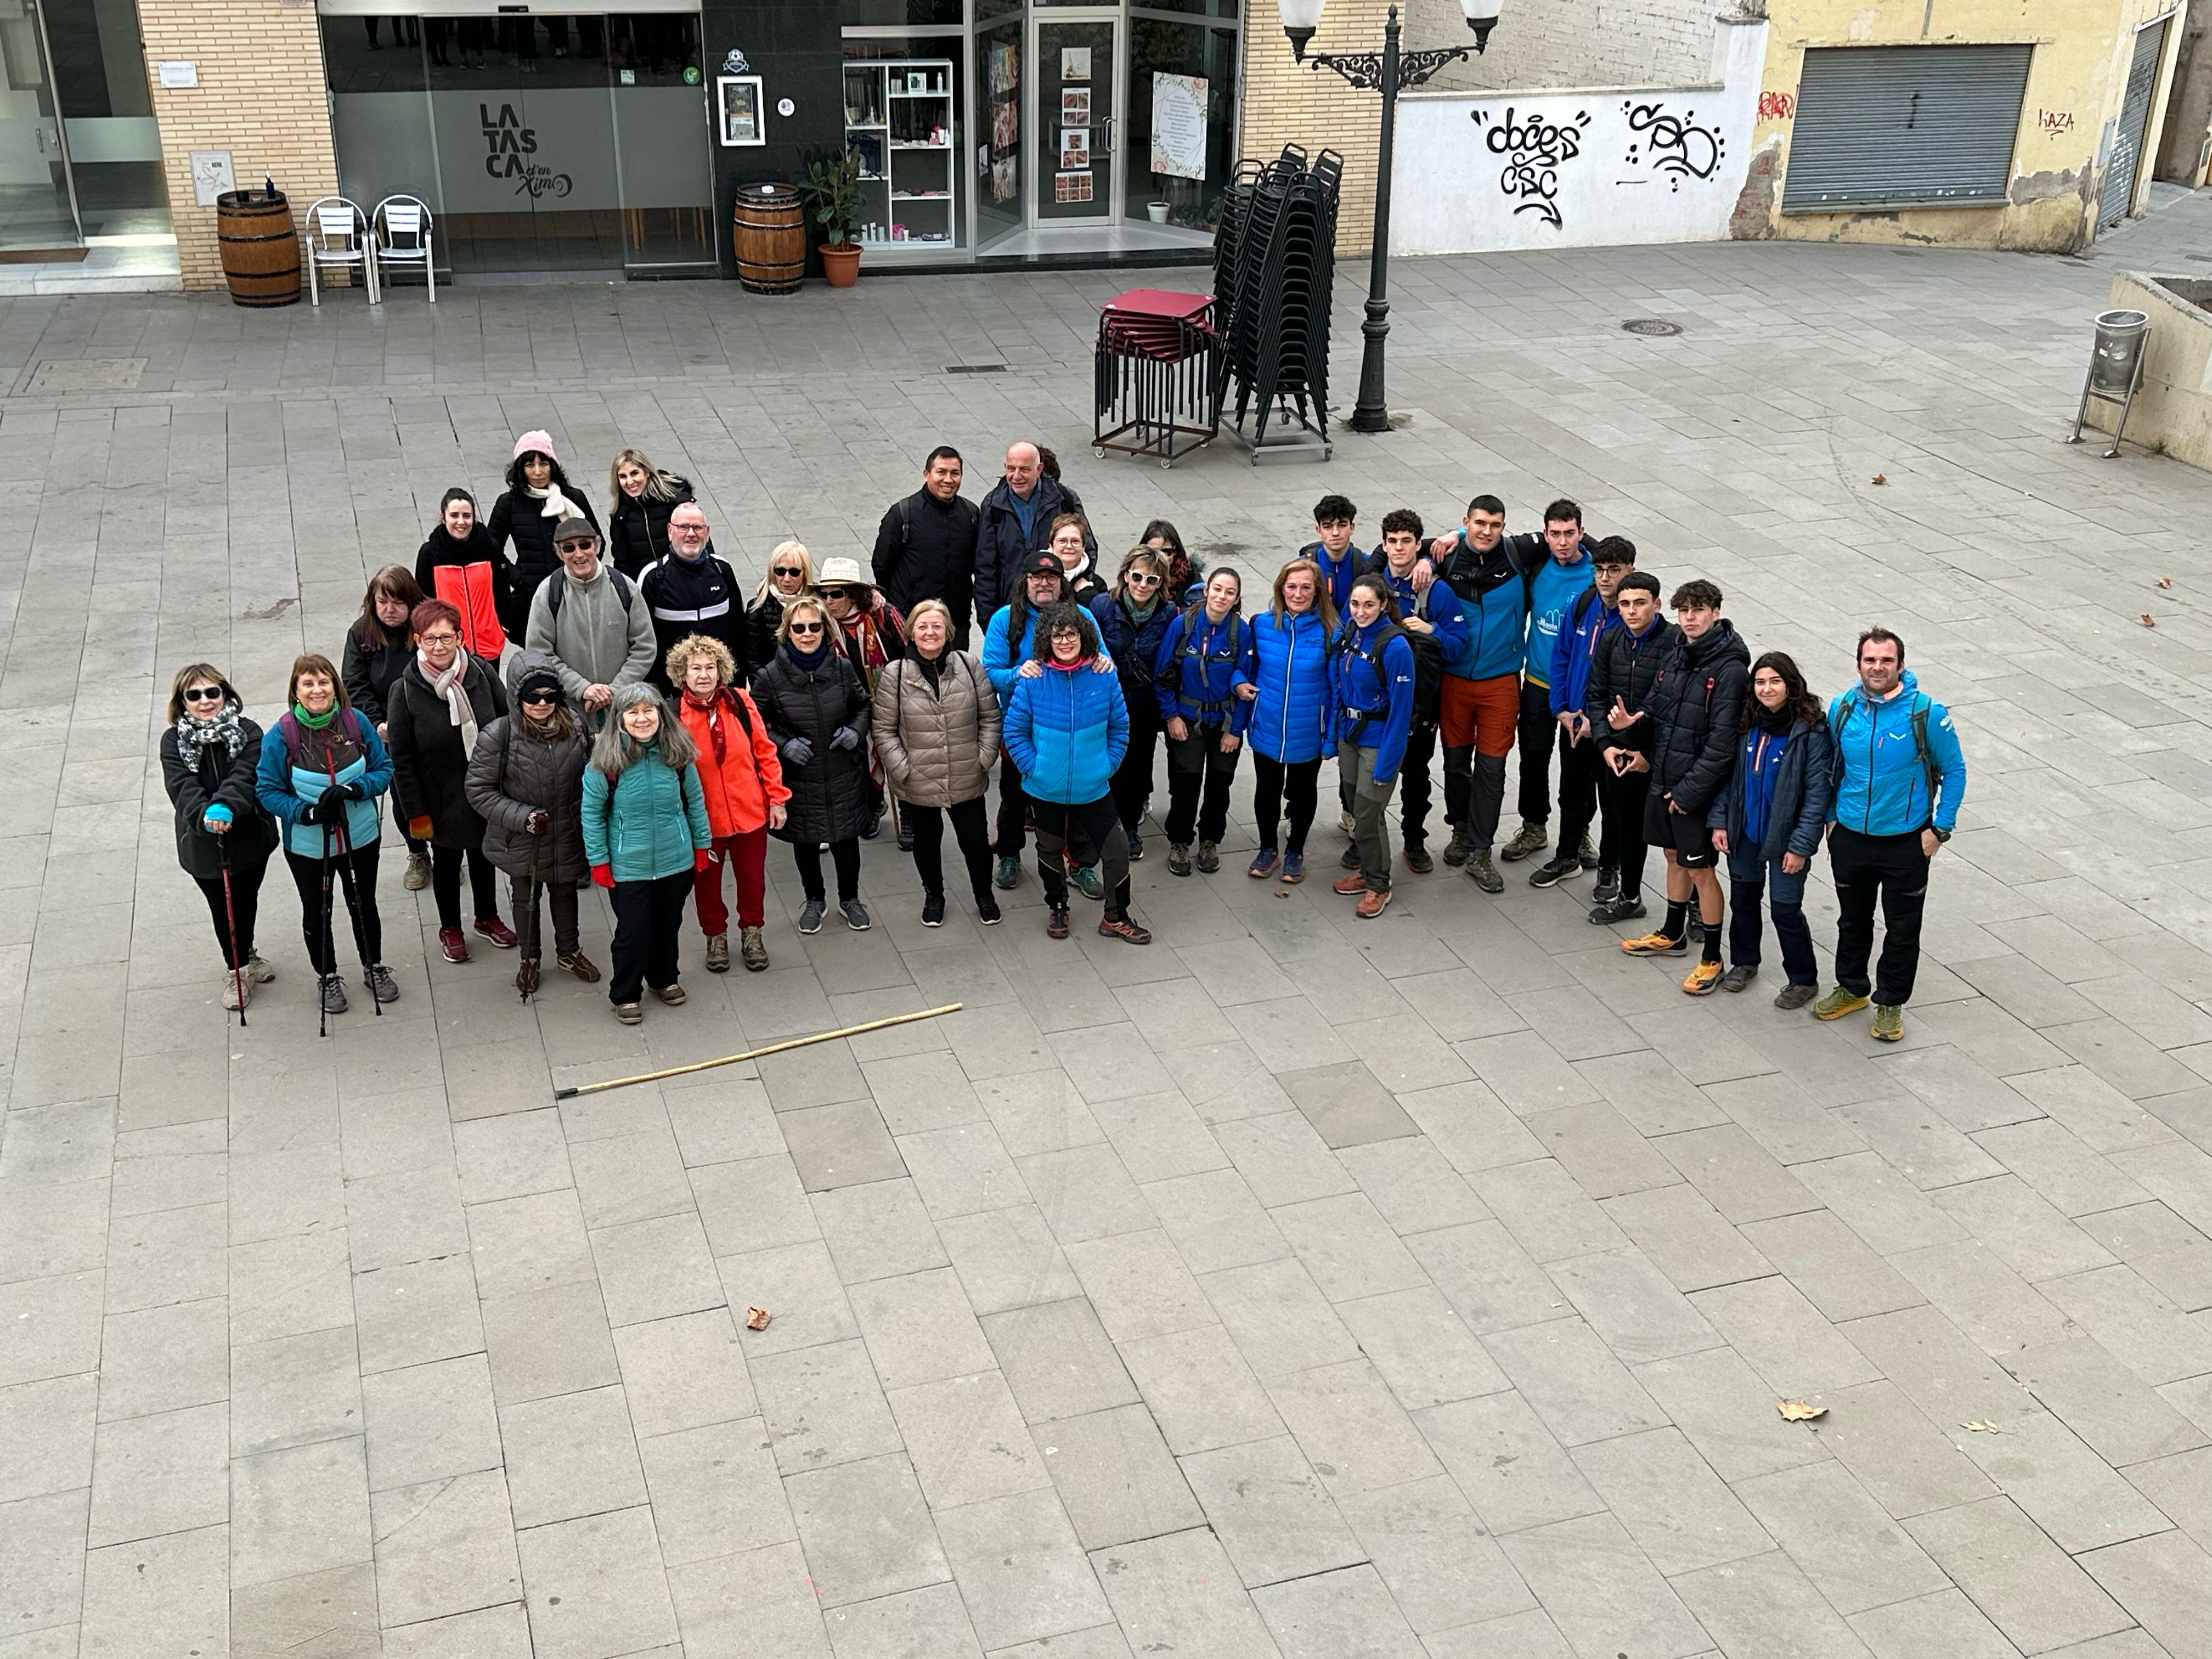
936, 725
872, 634
1133, 619
790, 572
1288, 670
210, 753
439, 705
377, 648
525, 782
817, 710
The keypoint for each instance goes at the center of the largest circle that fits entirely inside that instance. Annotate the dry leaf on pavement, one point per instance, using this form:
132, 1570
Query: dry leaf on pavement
1881, 477
2165, 581
2146, 622
1797, 1411
1982, 1428
756, 1319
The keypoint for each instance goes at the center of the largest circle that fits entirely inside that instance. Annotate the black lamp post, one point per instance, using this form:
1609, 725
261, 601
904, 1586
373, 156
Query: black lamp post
1391, 72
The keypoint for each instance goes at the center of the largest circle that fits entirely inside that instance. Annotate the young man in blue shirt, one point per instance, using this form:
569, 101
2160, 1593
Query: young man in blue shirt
1566, 573
1434, 616
1339, 557
1576, 633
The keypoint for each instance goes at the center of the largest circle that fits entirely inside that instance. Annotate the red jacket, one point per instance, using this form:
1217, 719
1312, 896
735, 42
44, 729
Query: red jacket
473, 577
748, 779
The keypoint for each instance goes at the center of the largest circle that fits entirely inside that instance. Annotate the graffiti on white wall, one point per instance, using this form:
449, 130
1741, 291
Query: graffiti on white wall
1543, 170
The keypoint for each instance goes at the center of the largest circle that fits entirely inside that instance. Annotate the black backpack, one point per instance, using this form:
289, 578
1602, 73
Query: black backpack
559, 579
1428, 670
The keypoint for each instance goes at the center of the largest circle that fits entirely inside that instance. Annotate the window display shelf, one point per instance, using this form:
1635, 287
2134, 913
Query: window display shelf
895, 185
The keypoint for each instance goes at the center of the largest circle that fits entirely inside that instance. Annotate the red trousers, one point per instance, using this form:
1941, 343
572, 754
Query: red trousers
746, 855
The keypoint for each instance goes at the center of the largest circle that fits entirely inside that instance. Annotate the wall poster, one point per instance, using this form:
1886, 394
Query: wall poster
1179, 125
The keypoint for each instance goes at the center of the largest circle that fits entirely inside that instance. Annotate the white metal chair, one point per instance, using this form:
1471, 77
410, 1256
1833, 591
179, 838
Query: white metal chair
338, 239
399, 234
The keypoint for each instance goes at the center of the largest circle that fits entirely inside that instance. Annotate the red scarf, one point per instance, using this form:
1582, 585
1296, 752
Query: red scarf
713, 710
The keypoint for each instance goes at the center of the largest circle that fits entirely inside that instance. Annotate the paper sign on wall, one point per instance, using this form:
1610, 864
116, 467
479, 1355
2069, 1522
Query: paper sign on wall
177, 73
1179, 125
1070, 187
1075, 147
1075, 63
212, 175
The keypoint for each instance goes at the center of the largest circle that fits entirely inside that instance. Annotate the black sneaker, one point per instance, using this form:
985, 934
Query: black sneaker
1136, 848
856, 914
1457, 848
1737, 977
1609, 884
1615, 910
1552, 872
932, 910
1351, 859
810, 916
1178, 859
1417, 858
986, 908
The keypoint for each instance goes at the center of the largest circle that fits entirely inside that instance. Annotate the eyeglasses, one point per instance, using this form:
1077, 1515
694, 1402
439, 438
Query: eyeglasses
439, 639
837, 593
687, 529
806, 628
205, 693
786, 570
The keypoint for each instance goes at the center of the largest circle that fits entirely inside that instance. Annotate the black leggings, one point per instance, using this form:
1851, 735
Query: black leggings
1272, 782
355, 876
446, 884
969, 829
245, 898
1199, 777
845, 855
1133, 779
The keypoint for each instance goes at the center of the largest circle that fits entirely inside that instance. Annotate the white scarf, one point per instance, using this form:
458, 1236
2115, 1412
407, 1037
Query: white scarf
557, 506
448, 685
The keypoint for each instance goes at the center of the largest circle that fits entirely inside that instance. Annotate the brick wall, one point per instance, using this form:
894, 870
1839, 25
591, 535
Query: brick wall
1287, 103
260, 96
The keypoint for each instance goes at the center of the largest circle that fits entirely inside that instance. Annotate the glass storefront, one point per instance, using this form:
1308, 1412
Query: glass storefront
80, 154
573, 143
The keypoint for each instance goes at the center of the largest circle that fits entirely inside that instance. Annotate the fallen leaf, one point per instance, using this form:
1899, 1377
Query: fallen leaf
1282, 892
1982, 1428
1881, 477
756, 1319
2146, 622
1797, 1411
2165, 581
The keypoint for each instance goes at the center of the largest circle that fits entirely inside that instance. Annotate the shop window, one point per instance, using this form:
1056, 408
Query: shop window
899, 14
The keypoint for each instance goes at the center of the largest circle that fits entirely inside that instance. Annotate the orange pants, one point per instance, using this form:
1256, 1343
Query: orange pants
1483, 715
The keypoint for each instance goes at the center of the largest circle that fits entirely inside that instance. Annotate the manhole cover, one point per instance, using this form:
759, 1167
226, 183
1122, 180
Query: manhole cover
1651, 326
87, 374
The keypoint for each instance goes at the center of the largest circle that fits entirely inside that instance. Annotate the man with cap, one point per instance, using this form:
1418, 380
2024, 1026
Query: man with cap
591, 621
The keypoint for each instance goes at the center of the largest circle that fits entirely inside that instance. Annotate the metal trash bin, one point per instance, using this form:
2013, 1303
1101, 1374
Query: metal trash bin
2116, 368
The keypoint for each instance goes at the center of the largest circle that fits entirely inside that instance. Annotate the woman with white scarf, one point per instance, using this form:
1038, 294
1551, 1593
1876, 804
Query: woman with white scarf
209, 755
538, 496
431, 716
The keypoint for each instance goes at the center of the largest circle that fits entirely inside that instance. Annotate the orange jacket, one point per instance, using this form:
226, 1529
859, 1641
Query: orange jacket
749, 779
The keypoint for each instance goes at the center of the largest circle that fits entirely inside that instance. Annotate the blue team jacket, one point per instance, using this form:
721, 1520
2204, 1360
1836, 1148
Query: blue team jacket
1573, 646
1067, 730
1198, 684
1357, 689
1289, 668
1881, 786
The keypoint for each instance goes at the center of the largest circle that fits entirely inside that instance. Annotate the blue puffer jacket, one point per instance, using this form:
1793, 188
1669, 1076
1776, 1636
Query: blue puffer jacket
1387, 699
1881, 785
1197, 683
1067, 729
647, 823
292, 777
1289, 665
1584, 624
1339, 572
1134, 648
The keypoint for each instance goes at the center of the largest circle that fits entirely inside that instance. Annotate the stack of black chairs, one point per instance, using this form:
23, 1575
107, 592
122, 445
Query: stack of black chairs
1274, 262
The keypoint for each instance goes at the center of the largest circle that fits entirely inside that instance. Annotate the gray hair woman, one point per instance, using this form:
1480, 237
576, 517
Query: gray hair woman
645, 834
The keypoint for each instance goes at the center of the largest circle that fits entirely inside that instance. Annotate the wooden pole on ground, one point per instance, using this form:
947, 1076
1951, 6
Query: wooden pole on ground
755, 1054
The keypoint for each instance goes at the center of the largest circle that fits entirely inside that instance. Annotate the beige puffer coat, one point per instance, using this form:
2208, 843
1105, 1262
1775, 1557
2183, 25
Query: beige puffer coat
937, 746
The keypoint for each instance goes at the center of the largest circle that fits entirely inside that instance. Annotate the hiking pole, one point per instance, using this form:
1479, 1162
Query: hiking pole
756, 1054
329, 945
230, 910
353, 903
536, 937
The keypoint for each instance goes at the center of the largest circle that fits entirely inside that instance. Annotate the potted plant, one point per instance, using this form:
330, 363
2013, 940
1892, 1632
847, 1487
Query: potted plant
832, 190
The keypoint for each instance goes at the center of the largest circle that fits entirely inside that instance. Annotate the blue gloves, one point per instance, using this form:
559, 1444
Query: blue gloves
798, 751
845, 737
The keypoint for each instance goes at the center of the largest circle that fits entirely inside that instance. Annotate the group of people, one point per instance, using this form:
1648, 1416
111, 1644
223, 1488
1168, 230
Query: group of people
568, 707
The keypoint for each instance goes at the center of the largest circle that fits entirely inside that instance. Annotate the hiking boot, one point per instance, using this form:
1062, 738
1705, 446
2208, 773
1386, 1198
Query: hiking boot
933, 909
905, 835
1294, 868
1840, 1002
1178, 859
1616, 909
525, 975
1086, 879
1344, 822
1608, 886
1209, 859
1056, 922
1655, 944
672, 994
237, 990
501, 935
718, 953
1136, 848
576, 962
1373, 904
1351, 859
630, 1013
809, 915
1529, 838
1264, 863
1483, 873
1738, 976
987, 909
856, 914
1349, 885
334, 996
1586, 855
381, 985
1010, 870
1457, 848
418, 871
1795, 996
1126, 930
450, 942
752, 950
874, 824
1704, 979
259, 972
1888, 1024
1417, 858
1551, 871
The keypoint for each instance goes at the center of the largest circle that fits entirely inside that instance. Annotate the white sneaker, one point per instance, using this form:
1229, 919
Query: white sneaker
258, 970
237, 992
1344, 822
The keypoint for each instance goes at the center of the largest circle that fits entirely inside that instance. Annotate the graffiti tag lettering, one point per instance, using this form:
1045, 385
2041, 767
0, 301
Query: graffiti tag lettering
1680, 146
507, 142
2055, 121
1533, 150
1776, 106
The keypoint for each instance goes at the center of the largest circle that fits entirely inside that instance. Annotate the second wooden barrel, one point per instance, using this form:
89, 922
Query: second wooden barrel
768, 230
261, 247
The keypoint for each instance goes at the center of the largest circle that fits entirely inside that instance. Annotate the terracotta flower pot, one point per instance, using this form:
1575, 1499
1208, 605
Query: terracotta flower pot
841, 262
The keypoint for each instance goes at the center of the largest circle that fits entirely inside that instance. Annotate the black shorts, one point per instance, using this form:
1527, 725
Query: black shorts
1683, 834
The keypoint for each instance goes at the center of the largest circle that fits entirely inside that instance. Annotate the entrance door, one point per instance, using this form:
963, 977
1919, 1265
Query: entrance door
37, 199
2118, 195
1078, 84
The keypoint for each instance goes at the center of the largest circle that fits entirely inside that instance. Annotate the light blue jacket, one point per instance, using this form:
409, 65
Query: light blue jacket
1066, 729
287, 790
1882, 779
647, 823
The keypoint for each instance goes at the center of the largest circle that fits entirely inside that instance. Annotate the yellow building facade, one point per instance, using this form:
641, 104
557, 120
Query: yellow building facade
2021, 125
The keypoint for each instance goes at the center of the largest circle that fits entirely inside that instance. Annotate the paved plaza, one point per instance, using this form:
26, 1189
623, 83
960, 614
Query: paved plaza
1297, 1286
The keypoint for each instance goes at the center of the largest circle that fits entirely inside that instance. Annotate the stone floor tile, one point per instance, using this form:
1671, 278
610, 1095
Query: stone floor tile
684, 1372
159, 1595
1686, 1238
962, 1171
1840, 1538
158, 1360
1179, 1594
444, 1547
1057, 1359
716, 1492
511, 1156
1215, 1222
756, 1605
655, 1269
1422, 1350
1348, 1247
1346, 1614
2016, 1576
1831, 1265
1158, 1136
1673, 1504
570, 1455
332, 1611
410, 1313
919, 1329
548, 1342
755, 1204
1766, 1604
877, 1230
1020, 1569
519, 1244
1600, 1591
1278, 1319
2064, 1487
1905, 1461
1739, 1177
1443, 1569
430, 1422
596, 1587
46, 1436
2141, 1329
866, 1530
2161, 1581
302, 1510
1566, 1371
1201, 1388
1347, 1107
1116, 1476
1511, 1469
2111, 1408
823, 1406
906, 1625
798, 1286
293, 1389
1138, 1286
967, 1439
1936, 1367
840, 1146
500, 1632
164, 1473
1629, 1302
1785, 1338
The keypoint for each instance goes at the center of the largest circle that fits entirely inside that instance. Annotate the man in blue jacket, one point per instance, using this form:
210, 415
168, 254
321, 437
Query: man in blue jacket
1564, 572
1584, 621
1901, 776
1339, 557
1437, 623
1013, 523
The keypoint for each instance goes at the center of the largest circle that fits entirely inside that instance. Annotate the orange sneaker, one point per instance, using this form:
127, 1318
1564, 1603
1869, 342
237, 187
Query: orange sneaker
1704, 979
1348, 885
1374, 905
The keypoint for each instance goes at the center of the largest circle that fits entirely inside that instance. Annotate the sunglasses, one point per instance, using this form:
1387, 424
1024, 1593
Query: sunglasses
568, 547
786, 570
1139, 579
806, 628
538, 699
837, 593
205, 694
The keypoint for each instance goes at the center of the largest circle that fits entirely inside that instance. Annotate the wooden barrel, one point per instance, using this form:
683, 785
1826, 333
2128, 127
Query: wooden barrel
261, 247
769, 229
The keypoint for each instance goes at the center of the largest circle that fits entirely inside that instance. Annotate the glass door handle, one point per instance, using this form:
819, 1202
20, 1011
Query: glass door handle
1106, 134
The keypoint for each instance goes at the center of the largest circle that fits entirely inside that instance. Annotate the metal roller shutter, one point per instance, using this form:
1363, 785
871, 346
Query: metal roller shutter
1904, 127
2118, 193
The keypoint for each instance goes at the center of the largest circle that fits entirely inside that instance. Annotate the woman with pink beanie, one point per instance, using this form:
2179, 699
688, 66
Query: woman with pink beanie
538, 496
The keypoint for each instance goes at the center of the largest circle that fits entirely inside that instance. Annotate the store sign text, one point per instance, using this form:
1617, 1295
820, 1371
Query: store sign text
507, 142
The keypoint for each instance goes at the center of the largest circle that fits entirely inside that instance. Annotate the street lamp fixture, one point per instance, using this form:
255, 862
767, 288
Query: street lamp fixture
1389, 72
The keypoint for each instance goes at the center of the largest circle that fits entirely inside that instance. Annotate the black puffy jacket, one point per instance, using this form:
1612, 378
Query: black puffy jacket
829, 796
252, 832
1626, 667
520, 516
1696, 707
429, 768
370, 670
637, 527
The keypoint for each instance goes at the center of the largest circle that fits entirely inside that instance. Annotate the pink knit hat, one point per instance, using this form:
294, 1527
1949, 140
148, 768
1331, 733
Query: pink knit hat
540, 442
